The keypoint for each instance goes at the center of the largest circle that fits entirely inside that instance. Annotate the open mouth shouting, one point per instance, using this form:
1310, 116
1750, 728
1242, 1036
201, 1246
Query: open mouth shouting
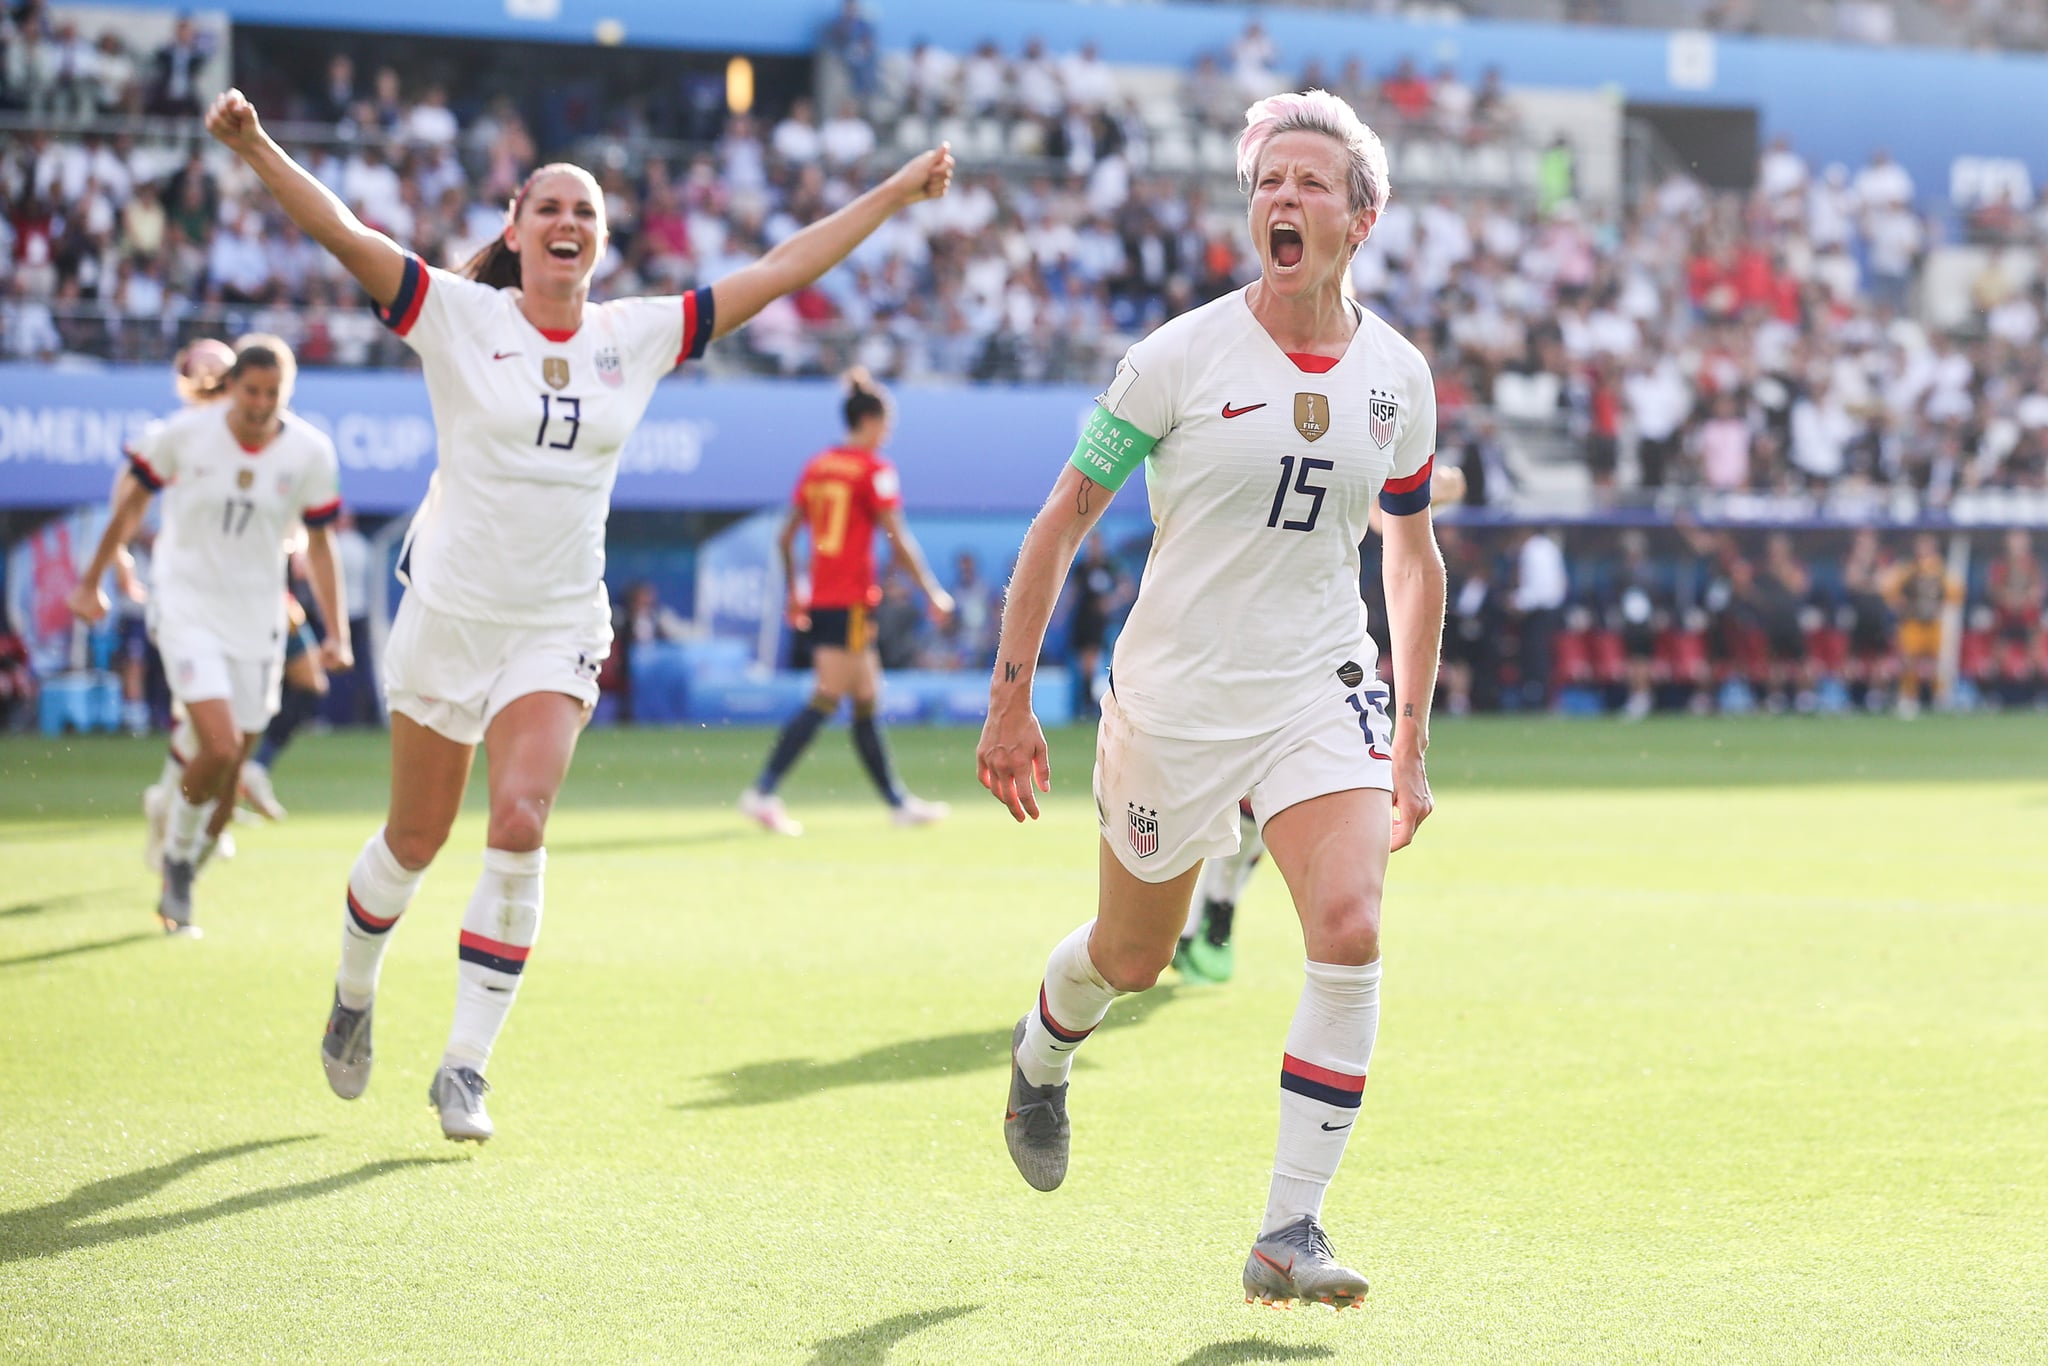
563, 249
1284, 245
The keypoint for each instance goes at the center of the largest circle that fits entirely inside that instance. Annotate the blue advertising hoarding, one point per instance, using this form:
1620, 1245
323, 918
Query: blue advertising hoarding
725, 445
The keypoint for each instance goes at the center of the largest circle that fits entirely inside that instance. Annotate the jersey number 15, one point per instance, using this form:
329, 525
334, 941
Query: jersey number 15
1313, 492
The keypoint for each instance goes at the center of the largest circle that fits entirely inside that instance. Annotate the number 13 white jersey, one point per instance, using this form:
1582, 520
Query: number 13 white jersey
219, 560
1260, 485
530, 426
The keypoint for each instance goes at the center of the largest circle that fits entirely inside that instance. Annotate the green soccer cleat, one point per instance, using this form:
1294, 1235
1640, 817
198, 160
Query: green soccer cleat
1210, 952
1294, 1262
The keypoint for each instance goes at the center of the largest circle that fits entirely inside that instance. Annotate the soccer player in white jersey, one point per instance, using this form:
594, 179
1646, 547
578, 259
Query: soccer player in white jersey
535, 391
1206, 954
236, 477
1268, 422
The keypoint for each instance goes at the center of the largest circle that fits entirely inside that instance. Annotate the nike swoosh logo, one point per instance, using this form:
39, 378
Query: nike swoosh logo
502, 355
1229, 411
1334, 1128
1287, 1270
1063, 1047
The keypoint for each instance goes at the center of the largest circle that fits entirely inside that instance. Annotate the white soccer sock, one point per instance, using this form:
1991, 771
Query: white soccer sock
1322, 1082
379, 890
1199, 899
184, 827
1071, 1002
498, 929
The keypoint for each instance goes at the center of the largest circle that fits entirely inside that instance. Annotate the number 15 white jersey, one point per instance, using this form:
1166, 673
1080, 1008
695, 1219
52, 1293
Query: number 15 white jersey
530, 426
1265, 470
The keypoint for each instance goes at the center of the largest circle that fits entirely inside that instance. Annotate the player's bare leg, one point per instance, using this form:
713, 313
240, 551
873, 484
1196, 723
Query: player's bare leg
529, 744
429, 773
1124, 949
217, 754
1332, 850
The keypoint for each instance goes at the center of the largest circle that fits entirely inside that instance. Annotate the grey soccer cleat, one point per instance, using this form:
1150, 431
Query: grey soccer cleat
1035, 1125
174, 906
458, 1093
1294, 1262
345, 1049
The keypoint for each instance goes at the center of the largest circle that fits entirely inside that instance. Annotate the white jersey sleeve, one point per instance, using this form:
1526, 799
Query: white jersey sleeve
434, 308
662, 332
1137, 411
319, 487
152, 459
1406, 491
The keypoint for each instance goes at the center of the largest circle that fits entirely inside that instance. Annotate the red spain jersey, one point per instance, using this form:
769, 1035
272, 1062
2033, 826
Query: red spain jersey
841, 493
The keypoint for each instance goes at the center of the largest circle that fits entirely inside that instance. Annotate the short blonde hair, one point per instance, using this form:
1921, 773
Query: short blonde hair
1317, 111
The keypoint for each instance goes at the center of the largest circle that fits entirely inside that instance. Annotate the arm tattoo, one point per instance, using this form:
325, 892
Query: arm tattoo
1010, 672
1407, 709
1083, 496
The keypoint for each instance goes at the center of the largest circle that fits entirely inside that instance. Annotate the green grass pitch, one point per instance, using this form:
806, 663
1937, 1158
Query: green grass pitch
1704, 1041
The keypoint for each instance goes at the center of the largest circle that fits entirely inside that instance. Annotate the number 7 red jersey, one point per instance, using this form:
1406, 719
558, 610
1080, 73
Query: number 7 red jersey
841, 494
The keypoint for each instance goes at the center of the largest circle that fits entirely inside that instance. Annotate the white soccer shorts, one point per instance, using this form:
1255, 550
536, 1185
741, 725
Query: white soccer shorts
1166, 804
454, 676
199, 670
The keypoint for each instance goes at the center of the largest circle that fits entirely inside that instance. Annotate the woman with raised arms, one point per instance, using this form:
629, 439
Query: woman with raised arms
535, 391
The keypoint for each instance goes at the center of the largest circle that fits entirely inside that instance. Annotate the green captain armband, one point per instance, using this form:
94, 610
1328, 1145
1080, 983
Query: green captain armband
1110, 449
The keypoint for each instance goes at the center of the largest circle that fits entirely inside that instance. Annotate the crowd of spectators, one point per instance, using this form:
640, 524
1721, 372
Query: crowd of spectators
1706, 620
1761, 343
2003, 25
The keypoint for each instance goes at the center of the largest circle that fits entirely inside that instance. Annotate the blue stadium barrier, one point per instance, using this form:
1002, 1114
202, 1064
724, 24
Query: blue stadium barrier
75, 703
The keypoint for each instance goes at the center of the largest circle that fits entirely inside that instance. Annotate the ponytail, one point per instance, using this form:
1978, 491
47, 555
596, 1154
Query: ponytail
194, 387
864, 398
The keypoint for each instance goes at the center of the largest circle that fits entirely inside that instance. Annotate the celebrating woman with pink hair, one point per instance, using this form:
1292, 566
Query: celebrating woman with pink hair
1269, 423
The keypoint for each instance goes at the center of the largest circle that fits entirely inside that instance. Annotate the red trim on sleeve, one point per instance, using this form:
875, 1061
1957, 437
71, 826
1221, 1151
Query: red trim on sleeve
1410, 483
689, 326
144, 471
1315, 365
419, 297
323, 514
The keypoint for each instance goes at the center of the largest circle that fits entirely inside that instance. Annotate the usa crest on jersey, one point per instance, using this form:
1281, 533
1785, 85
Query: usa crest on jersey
1382, 412
609, 371
1144, 831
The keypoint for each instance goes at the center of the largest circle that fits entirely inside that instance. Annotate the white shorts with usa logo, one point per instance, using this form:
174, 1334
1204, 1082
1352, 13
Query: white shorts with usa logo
199, 669
1166, 804
454, 675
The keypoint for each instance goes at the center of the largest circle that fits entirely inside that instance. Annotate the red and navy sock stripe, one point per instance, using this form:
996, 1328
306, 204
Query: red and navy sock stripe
405, 306
1055, 1028
1406, 496
367, 923
494, 954
1321, 1083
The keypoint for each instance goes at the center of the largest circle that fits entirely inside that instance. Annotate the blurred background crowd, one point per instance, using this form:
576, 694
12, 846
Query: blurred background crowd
1628, 342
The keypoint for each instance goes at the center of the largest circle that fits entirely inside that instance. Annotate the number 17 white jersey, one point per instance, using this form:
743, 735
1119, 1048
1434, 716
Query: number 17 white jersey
1260, 484
219, 561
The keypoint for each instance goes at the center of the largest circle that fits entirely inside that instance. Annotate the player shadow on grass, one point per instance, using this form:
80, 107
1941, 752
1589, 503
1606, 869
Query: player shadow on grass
51, 903
72, 950
870, 1346
59, 1226
765, 1083
1244, 1351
